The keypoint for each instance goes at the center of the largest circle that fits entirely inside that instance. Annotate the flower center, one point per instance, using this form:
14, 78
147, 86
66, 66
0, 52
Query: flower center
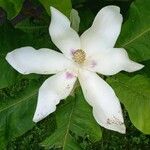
79, 56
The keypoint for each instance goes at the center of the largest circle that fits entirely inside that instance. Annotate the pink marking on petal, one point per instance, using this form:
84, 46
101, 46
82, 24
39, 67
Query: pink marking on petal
72, 51
93, 64
69, 75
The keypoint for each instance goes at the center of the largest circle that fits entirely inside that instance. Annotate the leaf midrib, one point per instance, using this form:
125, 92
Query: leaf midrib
128, 87
136, 37
32, 27
24, 99
68, 127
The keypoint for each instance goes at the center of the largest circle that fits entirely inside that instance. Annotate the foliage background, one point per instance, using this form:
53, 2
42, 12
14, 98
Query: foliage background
26, 23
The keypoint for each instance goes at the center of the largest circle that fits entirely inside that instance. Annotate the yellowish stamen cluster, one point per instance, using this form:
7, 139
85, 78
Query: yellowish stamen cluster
79, 56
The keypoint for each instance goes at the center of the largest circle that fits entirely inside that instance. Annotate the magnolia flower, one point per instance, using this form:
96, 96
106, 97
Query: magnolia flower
83, 57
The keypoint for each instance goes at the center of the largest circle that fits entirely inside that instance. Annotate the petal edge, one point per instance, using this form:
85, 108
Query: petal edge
53, 90
106, 106
104, 31
28, 60
62, 35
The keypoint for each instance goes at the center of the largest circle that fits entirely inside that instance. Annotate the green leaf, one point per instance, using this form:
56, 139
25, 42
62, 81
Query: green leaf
64, 6
73, 117
134, 93
11, 7
37, 31
135, 35
8, 75
26, 33
10, 39
16, 114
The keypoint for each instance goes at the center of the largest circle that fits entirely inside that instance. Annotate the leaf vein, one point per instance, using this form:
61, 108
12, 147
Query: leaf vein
134, 91
18, 102
136, 37
67, 130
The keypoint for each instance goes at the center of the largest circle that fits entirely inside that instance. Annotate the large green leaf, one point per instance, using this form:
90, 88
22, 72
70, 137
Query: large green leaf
16, 114
62, 5
73, 117
11, 7
38, 33
26, 33
10, 39
6, 72
134, 93
135, 35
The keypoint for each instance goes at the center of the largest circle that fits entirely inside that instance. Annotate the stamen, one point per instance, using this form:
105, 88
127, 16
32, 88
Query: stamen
79, 56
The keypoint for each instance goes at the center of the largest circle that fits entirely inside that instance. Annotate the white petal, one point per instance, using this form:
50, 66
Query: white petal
62, 35
104, 31
43, 61
112, 62
51, 92
106, 106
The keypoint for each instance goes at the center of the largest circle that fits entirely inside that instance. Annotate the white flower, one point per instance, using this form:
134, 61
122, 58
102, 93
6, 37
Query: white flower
82, 57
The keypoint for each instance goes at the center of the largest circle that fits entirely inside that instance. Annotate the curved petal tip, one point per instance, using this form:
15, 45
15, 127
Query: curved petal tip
53, 8
11, 60
133, 66
116, 8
